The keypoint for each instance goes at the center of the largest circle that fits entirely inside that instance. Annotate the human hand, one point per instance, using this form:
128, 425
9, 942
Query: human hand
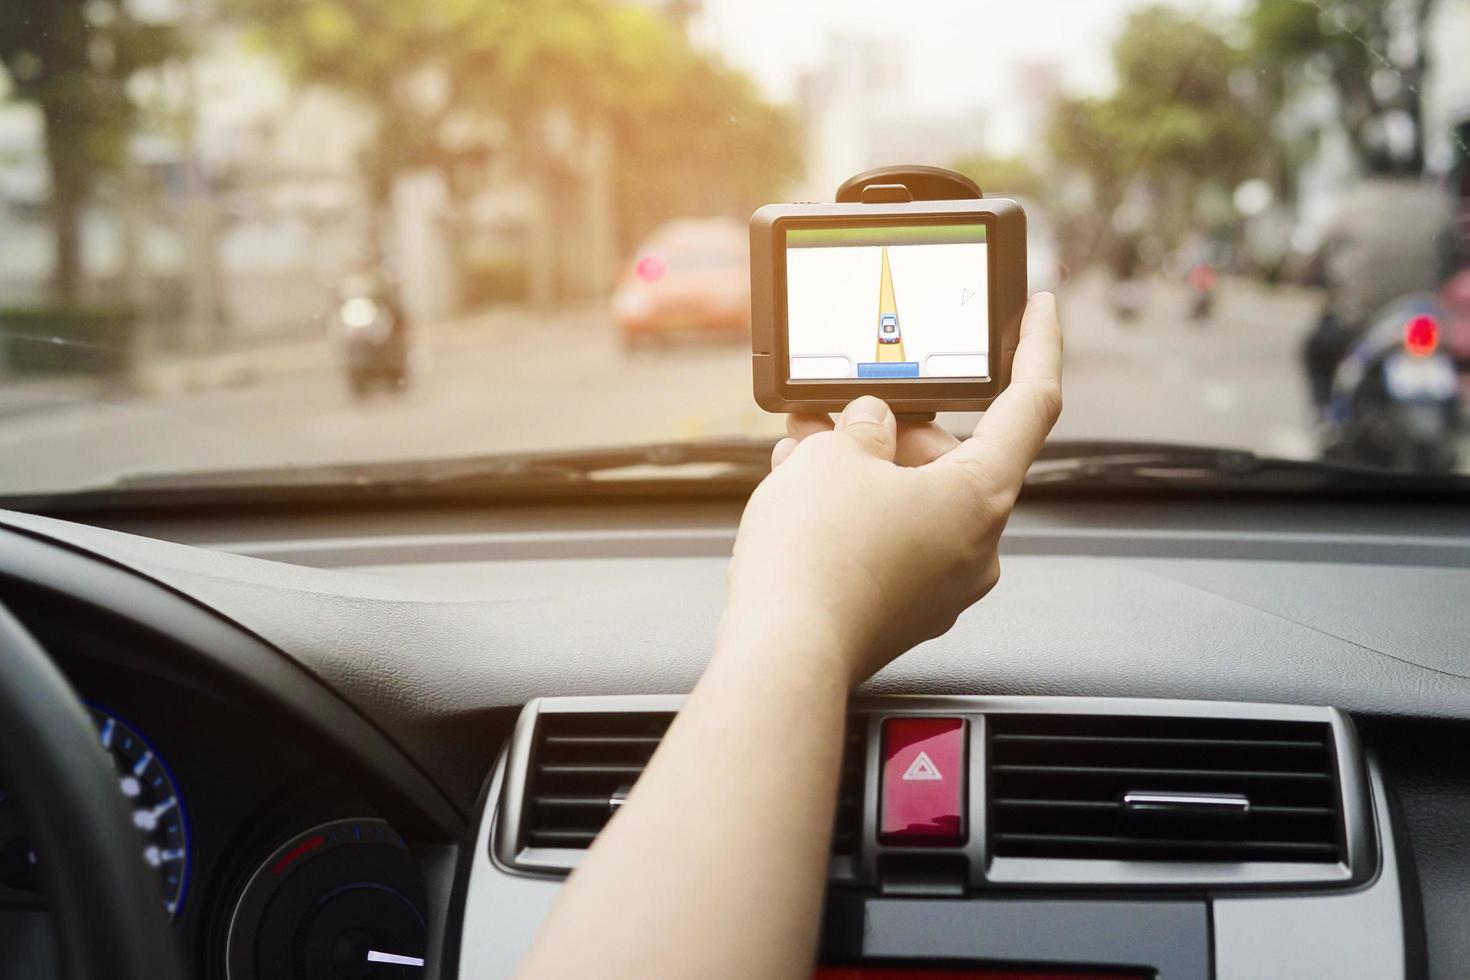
884, 532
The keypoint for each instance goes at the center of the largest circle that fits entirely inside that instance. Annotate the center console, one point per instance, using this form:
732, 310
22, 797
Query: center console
1003, 837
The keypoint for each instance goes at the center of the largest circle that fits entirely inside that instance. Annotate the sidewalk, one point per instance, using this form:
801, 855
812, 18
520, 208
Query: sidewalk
168, 375
24, 396
165, 375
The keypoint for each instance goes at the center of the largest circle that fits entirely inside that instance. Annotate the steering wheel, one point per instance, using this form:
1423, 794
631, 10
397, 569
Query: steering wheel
101, 894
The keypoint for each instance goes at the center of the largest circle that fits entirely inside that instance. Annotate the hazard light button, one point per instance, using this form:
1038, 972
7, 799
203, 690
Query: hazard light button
923, 799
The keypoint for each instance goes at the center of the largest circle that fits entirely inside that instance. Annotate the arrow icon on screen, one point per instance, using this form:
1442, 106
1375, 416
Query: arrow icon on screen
966, 295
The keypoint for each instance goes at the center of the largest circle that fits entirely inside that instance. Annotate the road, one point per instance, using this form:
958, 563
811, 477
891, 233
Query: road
505, 383
1233, 380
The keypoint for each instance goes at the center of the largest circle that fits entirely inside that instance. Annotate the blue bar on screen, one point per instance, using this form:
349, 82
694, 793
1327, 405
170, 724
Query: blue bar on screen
889, 369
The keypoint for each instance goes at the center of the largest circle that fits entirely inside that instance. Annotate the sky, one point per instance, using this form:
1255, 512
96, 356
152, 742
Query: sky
956, 54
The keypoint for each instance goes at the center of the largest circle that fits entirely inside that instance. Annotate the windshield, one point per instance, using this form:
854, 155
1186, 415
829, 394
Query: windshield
240, 234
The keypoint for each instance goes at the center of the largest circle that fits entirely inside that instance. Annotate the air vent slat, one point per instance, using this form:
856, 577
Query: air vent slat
1296, 811
651, 741
1233, 743
572, 801
849, 823
1108, 805
1198, 789
1146, 771
1059, 804
1169, 844
562, 838
581, 762
586, 769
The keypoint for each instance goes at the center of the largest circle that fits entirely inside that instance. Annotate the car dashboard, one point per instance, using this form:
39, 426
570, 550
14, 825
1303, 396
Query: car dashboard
1193, 741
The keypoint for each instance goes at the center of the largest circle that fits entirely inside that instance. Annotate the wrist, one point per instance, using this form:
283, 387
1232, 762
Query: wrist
789, 640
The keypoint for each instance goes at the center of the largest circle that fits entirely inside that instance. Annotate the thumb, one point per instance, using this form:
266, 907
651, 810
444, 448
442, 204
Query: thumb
870, 424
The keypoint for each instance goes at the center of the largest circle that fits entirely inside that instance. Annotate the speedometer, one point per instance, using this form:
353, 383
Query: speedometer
158, 809
145, 782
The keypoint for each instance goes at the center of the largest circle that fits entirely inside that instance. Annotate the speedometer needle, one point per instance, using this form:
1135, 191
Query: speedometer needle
397, 959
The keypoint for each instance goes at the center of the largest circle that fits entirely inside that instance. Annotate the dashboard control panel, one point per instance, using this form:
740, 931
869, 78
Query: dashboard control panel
1122, 836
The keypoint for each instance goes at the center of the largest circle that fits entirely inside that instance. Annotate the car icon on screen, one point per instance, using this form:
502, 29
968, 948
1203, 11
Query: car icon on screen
888, 328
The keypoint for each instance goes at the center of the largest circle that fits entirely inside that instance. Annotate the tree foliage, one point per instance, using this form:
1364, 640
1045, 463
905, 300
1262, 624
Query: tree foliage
1177, 122
706, 144
1372, 53
1005, 175
690, 135
73, 59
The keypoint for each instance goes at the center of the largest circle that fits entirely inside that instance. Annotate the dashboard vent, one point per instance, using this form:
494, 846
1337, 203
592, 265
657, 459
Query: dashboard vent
1163, 789
582, 765
849, 826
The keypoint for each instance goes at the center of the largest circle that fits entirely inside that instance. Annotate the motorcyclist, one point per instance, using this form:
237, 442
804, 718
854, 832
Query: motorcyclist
373, 326
371, 280
1200, 275
1393, 236
1124, 260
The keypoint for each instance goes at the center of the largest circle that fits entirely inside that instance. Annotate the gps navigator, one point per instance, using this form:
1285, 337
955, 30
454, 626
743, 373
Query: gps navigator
919, 303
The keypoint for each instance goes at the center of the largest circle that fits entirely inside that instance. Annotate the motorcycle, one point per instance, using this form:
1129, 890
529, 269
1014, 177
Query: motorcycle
1126, 285
1454, 298
1396, 394
374, 337
1202, 279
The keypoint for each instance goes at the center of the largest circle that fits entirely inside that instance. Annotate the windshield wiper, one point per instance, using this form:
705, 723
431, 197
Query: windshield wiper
721, 468
708, 467
1144, 465
707, 459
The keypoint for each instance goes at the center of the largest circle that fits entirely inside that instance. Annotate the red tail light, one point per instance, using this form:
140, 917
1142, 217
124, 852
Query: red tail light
1421, 335
650, 268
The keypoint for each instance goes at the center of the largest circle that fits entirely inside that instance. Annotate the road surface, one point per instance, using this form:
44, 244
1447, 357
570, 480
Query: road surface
505, 383
887, 306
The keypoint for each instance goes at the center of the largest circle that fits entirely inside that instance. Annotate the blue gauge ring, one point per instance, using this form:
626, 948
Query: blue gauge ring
152, 793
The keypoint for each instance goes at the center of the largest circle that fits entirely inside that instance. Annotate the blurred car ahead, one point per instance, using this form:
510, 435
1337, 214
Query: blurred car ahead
691, 278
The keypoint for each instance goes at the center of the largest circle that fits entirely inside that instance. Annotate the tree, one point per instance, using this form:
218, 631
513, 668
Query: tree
705, 144
1371, 52
561, 78
1177, 124
73, 59
1175, 109
688, 136
1003, 175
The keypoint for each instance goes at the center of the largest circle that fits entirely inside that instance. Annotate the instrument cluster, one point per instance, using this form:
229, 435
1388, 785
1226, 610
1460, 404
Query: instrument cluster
270, 864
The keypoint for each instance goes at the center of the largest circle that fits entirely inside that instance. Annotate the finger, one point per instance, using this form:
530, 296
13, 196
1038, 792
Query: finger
799, 427
782, 451
869, 422
923, 442
1012, 430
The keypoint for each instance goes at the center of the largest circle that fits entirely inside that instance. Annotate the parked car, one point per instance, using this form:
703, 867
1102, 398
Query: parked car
690, 278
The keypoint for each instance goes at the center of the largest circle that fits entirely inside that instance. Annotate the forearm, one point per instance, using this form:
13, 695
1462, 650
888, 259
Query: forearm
731, 820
